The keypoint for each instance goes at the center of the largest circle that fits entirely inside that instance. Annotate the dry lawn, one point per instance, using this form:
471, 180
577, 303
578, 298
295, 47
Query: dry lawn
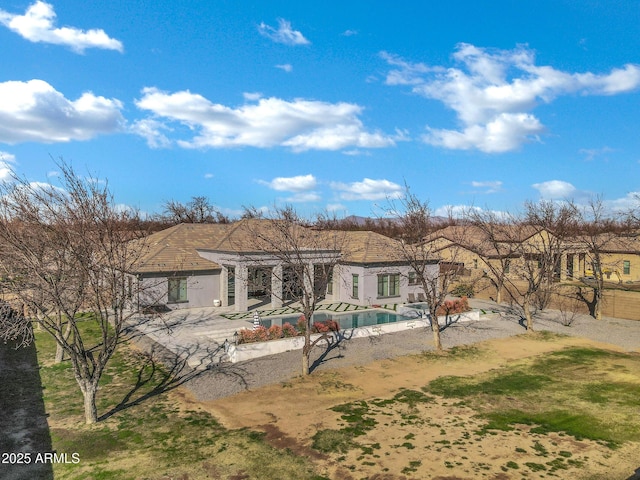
390, 426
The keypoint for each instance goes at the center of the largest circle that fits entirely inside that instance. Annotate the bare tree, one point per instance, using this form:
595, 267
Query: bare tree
66, 257
544, 231
490, 236
596, 234
197, 210
434, 271
301, 261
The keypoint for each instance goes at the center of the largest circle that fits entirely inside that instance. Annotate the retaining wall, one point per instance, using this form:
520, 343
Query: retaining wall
248, 351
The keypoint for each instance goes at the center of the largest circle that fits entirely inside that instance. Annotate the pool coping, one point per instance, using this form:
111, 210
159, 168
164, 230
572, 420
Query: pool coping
249, 351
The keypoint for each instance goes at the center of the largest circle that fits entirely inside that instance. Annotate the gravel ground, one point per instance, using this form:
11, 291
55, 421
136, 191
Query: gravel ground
229, 379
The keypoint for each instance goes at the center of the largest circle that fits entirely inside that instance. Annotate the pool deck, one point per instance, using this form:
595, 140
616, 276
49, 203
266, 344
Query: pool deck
198, 335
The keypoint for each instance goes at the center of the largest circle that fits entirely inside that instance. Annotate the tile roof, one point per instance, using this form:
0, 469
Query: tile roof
369, 247
175, 249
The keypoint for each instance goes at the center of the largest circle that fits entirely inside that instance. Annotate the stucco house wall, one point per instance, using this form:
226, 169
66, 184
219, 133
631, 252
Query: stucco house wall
202, 289
368, 283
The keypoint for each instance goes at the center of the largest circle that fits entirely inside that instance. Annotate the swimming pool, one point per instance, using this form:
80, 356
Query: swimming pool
362, 318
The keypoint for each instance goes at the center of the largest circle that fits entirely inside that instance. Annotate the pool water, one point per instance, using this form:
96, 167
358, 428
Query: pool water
345, 320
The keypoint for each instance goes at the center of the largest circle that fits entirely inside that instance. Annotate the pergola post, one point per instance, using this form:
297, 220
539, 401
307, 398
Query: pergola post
276, 286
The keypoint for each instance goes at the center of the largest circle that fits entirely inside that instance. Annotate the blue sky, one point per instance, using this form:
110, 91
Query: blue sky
326, 106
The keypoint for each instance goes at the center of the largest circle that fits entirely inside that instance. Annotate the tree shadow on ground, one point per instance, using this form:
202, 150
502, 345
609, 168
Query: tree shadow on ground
162, 371
23, 419
334, 343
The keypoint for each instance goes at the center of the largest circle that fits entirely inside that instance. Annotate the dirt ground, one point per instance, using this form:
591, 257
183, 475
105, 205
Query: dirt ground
438, 440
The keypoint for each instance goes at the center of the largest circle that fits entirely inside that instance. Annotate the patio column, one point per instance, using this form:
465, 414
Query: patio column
276, 286
563, 267
309, 280
224, 287
242, 288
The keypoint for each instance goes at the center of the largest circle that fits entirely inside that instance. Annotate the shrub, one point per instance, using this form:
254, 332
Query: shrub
275, 332
246, 336
302, 324
261, 334
452, 307
326, 326
289, 330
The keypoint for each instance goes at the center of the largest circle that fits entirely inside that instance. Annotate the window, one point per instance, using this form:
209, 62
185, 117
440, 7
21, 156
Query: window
626, 267
330, 283
413, 278
354, 286
177, 290
389, 285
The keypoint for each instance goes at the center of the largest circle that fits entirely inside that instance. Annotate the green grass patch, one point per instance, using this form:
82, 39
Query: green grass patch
149, 434
599, 394
505, 383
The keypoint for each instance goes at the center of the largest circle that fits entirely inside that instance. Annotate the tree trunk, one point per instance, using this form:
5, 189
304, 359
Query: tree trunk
89, 392
527, 316
59, 353
59, 350
597, 307
306, 351
435, 328
499, 294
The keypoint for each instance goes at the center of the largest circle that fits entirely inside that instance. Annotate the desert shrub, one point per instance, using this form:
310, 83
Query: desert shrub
326, 326
302, 324
289, 330
452, 307
275, 332
246, 336
261, 334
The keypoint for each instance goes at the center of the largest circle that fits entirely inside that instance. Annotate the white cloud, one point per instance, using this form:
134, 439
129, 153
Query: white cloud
35, 111
555, 189
350, 33
592, 153
151, 130
304, 197
490, 186
368, 189
37, 25
461, 211
493, 91
336, 207
283, 34
299, 124
5, 168
302, 187
287, 67
504, 133
625, 204
299, 183
252, 96
208, 176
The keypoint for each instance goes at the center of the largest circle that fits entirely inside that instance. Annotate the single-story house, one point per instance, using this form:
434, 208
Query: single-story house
196, 265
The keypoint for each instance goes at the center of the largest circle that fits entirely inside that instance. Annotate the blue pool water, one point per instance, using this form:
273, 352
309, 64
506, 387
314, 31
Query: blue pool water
345, 320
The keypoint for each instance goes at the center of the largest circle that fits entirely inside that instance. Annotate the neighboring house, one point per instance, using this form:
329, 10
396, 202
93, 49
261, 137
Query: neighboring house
621, 260
196, 265
503, 250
